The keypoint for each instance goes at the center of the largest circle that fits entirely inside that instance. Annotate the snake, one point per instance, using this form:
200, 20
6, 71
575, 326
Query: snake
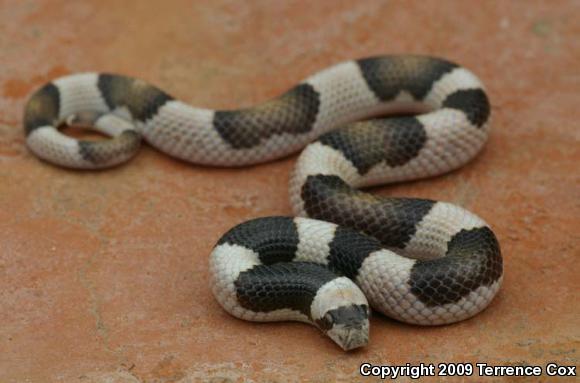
365, 122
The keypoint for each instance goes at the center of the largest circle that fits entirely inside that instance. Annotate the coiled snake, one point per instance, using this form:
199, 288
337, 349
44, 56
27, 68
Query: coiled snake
415, 260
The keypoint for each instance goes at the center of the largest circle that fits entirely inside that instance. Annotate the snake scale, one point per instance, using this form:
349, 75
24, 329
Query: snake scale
416, 260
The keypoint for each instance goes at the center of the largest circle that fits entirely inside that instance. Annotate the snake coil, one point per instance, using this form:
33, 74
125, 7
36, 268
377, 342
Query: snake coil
415, 260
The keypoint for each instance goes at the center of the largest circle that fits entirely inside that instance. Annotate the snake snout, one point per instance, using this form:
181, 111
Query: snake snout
350, 337
347, 326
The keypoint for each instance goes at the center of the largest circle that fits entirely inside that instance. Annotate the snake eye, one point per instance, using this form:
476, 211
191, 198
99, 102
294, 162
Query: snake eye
328, 318
367, 310
326, 322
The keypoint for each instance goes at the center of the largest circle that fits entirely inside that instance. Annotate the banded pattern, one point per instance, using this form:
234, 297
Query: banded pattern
283, 268
418, 261
333, 97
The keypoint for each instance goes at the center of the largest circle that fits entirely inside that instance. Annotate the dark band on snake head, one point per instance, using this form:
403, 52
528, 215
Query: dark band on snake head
344, 314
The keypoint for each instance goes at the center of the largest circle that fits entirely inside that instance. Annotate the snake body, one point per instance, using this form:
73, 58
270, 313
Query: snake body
415, 260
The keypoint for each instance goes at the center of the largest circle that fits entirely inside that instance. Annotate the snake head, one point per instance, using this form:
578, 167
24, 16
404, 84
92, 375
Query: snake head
341, 311
347, 326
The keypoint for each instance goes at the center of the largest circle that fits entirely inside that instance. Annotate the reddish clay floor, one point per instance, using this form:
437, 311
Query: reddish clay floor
103, 275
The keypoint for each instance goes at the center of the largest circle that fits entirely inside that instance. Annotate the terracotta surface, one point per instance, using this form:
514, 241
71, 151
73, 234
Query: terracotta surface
103, 275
